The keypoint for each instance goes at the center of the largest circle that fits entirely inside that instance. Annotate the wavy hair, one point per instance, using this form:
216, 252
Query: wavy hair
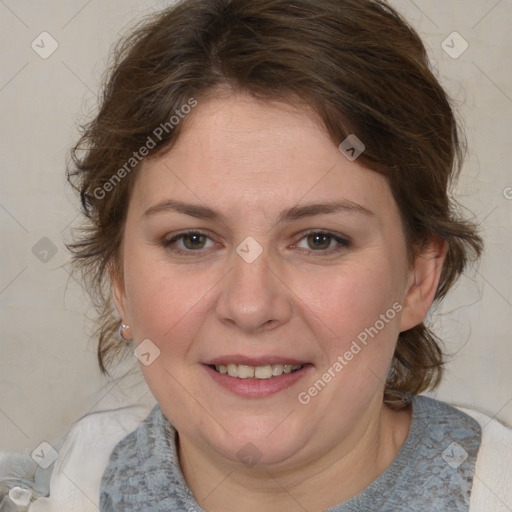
356, 63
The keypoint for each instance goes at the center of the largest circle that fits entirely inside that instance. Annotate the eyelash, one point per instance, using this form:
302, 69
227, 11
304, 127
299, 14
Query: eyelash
344, 243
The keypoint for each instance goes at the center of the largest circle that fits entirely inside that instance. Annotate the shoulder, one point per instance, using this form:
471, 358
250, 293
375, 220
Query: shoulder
122, 462
442, 413
441, 425
84, 455
492, 485
455, 456
143, 469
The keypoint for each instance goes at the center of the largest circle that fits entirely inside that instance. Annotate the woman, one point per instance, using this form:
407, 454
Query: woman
267, 189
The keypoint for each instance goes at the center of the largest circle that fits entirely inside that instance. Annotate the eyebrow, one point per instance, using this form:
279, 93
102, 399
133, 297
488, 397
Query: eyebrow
290, 214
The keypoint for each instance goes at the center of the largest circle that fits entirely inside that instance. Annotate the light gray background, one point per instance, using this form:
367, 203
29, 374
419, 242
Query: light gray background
48, 371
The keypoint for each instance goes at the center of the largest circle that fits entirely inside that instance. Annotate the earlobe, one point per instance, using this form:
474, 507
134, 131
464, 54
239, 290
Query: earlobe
423, 282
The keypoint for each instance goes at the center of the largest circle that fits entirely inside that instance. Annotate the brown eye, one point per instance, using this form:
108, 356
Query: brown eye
323, 242
194, 241
319, 241
188, 243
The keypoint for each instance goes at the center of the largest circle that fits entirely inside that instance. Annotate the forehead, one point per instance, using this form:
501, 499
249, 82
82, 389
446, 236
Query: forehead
238, 151
242, 132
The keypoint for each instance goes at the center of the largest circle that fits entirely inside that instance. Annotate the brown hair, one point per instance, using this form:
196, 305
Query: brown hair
356, 63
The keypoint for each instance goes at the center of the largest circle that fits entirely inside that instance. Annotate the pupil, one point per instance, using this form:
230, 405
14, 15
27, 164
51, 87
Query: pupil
318, 238
195, 238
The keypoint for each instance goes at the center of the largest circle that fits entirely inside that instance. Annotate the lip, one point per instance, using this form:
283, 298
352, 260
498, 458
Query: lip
257, 388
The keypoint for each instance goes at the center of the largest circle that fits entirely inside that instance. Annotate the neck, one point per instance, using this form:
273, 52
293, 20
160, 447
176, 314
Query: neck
343, 471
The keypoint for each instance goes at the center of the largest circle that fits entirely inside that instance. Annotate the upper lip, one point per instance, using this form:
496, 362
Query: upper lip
254, 361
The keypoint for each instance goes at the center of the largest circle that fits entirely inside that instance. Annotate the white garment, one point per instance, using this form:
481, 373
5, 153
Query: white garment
75, 481
492, 481
76, 477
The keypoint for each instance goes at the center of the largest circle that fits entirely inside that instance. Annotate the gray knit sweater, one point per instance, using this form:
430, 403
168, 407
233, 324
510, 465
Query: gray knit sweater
432, 472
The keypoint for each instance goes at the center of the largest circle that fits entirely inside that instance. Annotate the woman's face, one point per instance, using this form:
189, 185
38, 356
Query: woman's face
272, 277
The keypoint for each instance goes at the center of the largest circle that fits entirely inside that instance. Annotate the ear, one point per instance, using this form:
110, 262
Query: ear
422, 284
118, 292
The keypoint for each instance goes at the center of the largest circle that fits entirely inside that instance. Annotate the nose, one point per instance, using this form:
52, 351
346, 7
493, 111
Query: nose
254, 296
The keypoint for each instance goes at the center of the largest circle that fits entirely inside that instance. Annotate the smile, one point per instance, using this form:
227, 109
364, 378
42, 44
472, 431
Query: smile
257, 380
267, 371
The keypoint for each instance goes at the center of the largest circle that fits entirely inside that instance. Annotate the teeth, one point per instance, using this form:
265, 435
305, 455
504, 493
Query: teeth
277, 369
245, 372
263, 372
267, 371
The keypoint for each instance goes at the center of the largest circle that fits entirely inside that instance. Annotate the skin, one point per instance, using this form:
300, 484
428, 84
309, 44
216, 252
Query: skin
249, 160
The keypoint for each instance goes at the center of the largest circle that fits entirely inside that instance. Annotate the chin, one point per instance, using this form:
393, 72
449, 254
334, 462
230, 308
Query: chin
265, 444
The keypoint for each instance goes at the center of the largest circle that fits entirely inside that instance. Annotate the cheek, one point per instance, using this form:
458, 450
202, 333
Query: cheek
167, 306
353, 297
359, 307
164, 300
360, 310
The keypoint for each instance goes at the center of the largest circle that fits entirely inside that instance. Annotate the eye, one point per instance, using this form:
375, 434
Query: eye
190, 241
194, 243
324, 242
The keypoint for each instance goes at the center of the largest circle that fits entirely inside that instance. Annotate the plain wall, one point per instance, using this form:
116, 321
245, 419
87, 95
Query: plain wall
49, 375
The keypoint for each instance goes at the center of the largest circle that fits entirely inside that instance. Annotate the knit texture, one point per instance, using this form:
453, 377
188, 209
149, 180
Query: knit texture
433, 470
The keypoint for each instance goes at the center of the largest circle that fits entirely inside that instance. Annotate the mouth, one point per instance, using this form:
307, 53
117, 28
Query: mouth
256, 377
262, 372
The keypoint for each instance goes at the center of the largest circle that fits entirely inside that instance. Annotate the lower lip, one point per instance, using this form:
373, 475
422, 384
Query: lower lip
257, 388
